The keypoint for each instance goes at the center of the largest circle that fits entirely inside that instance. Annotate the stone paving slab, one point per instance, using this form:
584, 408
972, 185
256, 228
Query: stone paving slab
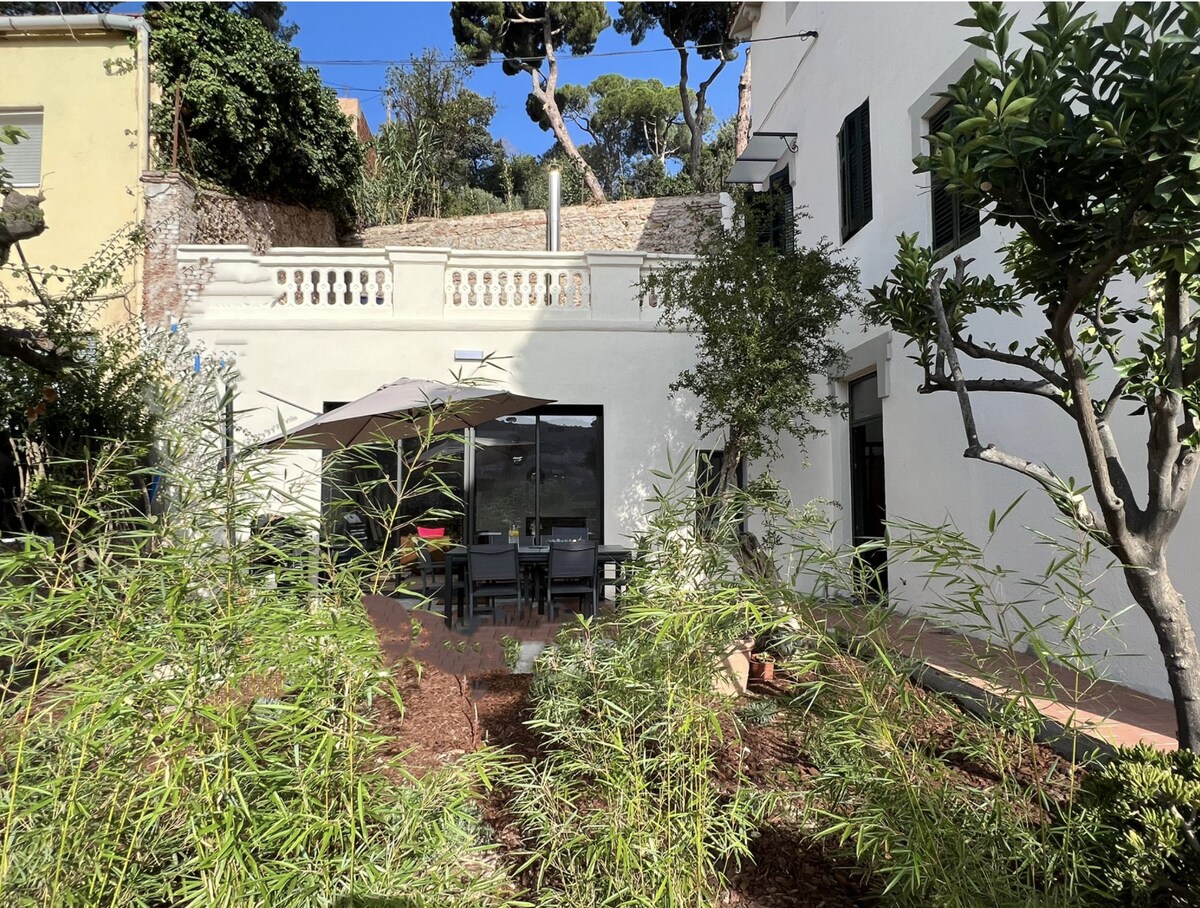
1104, 709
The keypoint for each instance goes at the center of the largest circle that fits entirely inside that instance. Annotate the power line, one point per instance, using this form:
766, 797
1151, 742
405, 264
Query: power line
803, 36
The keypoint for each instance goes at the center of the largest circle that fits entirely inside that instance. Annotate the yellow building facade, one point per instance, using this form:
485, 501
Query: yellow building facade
79, 86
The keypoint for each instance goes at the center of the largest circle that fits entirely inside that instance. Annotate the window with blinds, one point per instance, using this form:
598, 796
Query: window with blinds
854, 162
23, 161
954, 223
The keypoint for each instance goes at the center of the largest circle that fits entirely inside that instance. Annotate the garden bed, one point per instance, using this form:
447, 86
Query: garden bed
445, 716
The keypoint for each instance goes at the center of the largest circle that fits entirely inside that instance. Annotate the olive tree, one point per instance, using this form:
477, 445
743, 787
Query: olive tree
763, 316
1086, 141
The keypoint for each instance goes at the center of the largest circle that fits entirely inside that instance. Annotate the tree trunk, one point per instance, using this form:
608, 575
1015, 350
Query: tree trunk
545, 94
742, 128
694, 117
1156, 595
755, 562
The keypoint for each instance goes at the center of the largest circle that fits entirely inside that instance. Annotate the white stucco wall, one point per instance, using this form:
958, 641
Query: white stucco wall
607, 353
897, 55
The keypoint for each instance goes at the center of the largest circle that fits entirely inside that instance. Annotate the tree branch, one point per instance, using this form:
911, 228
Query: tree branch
976, 351
941, 382
1071, 504
34, 350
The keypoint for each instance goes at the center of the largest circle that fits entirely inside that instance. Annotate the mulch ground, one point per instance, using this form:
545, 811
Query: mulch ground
446, 715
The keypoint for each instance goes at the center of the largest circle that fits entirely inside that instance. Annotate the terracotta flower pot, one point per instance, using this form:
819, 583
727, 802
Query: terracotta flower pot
761, 670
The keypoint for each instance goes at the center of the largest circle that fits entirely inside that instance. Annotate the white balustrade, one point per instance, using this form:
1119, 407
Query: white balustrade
338, 284
505, 284
658, 262
417, 285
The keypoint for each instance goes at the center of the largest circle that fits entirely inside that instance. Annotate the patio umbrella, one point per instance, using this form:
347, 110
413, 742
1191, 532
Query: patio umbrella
395, 410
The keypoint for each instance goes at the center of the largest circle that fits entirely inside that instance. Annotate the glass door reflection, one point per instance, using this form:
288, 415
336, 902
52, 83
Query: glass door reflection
568, 474
505, 474
542, 472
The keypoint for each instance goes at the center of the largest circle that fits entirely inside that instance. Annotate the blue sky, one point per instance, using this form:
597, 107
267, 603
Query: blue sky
394, 31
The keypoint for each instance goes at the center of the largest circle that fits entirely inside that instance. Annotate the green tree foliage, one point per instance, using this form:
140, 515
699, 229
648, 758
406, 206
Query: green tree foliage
439, 134
762, 317
253, 119
68, 388
528, 36
1084, 140
627, 121
651, 178
268, 14
704, 26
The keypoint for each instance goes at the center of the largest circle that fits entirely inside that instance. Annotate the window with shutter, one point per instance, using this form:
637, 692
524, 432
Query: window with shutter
23, 161
854, 164
954, 222
776, 212
782, 212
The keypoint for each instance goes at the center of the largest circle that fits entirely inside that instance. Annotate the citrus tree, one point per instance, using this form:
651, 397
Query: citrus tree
1086, 142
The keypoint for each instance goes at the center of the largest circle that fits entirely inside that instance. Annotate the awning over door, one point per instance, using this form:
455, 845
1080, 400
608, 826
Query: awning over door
762, 153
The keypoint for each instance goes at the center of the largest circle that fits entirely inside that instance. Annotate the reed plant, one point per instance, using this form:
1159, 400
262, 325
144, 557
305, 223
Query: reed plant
181, 726
925, 801
627, 808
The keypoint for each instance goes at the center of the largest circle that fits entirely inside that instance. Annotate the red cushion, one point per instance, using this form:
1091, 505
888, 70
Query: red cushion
431, 532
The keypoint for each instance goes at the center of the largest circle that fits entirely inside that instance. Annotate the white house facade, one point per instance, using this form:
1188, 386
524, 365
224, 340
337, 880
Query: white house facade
854, 89
311, 328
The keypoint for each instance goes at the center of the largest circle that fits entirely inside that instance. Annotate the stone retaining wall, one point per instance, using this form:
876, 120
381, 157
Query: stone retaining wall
645, 225
180, 213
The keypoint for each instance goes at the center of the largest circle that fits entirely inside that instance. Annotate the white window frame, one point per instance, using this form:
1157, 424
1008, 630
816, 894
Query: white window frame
32, 121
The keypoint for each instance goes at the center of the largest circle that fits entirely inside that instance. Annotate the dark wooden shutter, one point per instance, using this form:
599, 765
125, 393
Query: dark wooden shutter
844, 175
783, 215
774, 212
943, 216
954, 222
864, 161
854, 163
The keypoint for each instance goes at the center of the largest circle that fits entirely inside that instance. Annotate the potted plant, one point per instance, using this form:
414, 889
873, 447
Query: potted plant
762, 667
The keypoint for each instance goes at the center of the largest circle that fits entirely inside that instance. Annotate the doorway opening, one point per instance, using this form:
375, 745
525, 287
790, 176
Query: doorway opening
868, 505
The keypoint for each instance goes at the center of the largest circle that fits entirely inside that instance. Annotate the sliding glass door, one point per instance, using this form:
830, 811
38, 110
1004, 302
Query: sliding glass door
541, 472
505, 466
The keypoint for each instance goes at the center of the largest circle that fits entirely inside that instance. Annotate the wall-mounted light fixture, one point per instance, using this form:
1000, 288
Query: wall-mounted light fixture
468, 356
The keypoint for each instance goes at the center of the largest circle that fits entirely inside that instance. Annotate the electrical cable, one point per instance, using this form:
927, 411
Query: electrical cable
803, 36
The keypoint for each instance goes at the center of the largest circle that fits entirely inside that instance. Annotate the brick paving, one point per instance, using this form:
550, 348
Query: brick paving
1109, 711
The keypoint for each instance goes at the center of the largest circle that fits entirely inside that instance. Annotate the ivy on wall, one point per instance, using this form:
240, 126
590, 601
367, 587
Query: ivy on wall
252, 119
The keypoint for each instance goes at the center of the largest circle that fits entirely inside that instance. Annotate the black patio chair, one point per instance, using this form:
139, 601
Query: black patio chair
432, 567
572, 572
493, 572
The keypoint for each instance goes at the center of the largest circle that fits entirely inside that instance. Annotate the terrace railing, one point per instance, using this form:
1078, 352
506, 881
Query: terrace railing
233, 284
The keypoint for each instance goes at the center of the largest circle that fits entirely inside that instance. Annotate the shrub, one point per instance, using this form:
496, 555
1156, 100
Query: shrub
177, 729
626, 809
254, 120
1142, 809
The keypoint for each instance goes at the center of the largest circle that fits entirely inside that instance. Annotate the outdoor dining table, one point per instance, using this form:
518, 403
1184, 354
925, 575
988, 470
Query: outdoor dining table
536, 558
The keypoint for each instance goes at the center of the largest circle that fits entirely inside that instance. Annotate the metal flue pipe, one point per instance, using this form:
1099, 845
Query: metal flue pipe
553, 208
